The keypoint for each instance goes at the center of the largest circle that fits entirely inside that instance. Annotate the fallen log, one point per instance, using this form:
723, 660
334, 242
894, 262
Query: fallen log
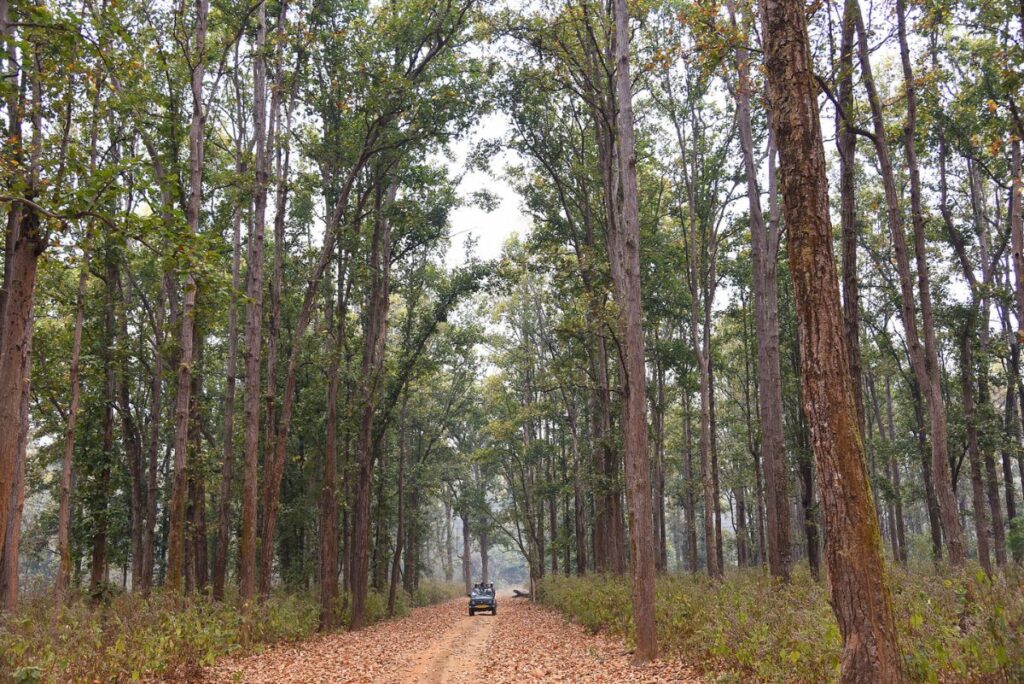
520, 594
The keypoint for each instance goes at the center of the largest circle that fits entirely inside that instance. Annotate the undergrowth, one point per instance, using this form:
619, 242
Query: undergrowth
959, 627
130, 638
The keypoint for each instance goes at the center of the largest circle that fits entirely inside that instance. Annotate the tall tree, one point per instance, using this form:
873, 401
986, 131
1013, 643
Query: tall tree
624, 257
853, 552
765, 238
196, 137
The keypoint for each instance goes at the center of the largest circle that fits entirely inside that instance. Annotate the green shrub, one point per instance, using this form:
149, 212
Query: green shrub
960, 627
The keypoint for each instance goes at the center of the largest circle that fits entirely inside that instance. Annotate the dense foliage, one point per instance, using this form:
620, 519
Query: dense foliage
244, 355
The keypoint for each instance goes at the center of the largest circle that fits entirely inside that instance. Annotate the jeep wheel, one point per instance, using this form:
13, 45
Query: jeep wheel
472, 612
494, 610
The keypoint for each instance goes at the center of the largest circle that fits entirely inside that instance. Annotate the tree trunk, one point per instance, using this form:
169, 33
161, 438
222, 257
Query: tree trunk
897, 487
449, 552
923, 359
987, 413
329, 491
179, 485
689, 499
859, 595
624, 255
846, 142
396, 560
1017, 235
932, 502
64, 512
98, 563
719, 544
220, 558
1011, 442
155, 418
981, 527
372, 379
467, 554
765, 245
133, 452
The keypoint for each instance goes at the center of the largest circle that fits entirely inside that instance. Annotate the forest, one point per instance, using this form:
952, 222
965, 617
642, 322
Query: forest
738, 393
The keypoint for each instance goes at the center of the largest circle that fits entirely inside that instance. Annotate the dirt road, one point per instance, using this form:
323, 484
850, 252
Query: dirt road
442, 644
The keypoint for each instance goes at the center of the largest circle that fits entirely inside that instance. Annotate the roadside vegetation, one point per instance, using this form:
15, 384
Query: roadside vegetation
954, 627
127, 637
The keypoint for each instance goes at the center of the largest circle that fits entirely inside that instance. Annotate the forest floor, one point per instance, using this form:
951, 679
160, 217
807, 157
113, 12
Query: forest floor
442, 644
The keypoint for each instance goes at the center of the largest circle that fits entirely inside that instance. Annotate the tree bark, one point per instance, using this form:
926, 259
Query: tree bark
624, 255
859, 595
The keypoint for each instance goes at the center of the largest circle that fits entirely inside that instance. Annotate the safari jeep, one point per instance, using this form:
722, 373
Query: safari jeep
482, 599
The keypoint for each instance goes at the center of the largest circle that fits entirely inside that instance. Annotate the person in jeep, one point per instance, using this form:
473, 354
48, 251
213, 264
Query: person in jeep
482, 599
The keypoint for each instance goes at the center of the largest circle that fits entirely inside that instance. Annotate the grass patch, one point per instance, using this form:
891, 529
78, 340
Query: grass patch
959, 627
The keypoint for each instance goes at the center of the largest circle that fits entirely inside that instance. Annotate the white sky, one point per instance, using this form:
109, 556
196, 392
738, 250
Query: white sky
491, 230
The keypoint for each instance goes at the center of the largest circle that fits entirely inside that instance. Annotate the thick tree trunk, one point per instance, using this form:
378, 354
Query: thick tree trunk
485, 547
624, 255
859, 595
274, 460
